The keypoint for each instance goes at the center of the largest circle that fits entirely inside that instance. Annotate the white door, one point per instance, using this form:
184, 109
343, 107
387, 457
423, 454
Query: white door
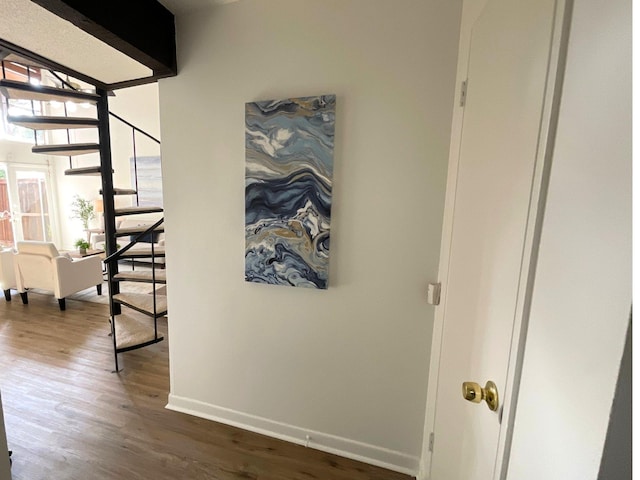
503, 140
30, 200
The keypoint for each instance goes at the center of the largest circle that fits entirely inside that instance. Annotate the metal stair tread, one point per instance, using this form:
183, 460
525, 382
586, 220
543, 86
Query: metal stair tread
143, 302
95, 170
122, 191
125, 231
66, 149
137, 210
44, 93
143, 252
141, 276
132, 331
52, 123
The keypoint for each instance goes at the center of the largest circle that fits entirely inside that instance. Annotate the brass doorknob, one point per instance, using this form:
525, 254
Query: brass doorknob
473, 392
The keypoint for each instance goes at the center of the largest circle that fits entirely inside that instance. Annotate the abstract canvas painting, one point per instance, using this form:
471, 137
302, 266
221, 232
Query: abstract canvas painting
289, 174
148, 171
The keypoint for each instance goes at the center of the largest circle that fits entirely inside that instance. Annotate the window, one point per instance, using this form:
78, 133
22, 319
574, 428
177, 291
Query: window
12, 71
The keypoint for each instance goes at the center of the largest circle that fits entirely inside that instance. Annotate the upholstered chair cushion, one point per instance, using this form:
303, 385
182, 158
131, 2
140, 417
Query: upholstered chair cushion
47, 249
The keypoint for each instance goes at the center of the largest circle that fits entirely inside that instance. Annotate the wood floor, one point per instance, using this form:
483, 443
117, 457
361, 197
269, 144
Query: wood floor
68, 417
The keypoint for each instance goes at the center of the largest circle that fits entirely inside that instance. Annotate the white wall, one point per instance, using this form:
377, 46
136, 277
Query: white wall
347, 366
19, 152
582, 293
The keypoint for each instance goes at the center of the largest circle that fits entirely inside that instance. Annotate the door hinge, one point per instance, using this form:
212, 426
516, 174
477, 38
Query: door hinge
463, 93
431, 437
433, 294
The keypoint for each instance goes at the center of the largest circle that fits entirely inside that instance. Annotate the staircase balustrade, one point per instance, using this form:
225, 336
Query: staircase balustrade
128, 333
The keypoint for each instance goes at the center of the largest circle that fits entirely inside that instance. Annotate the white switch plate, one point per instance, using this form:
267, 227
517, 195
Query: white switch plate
433, 294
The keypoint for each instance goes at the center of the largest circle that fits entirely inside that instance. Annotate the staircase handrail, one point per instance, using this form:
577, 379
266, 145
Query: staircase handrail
118, 117
136, 239
129, 124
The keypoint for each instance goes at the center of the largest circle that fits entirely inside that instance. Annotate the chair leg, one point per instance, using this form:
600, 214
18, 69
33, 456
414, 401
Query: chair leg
25, 299
7, 295
99, 289
63, 304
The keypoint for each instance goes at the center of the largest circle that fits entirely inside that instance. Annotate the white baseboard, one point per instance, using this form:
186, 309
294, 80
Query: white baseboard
344, 447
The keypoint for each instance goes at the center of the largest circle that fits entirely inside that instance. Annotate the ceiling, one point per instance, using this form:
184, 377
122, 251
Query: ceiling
108, 44
28, 28
31, 27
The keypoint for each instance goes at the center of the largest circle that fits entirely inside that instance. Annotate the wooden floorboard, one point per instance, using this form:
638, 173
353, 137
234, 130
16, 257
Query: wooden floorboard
68, 417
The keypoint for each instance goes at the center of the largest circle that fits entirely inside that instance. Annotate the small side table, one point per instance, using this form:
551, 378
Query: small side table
90, 253
75, 254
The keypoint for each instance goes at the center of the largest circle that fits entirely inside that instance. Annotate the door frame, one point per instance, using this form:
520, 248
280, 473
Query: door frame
52, 192
471, 11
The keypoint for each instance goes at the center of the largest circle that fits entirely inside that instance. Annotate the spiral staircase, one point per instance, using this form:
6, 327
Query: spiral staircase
133, 316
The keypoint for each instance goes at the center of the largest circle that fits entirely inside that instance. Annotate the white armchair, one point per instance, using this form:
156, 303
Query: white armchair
39, 265
7, 273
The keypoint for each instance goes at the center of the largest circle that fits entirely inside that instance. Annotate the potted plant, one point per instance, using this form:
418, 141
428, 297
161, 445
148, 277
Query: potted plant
82, 246
83, 210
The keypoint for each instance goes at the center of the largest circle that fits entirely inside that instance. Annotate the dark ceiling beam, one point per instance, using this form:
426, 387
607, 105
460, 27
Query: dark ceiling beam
142, 29
136, 81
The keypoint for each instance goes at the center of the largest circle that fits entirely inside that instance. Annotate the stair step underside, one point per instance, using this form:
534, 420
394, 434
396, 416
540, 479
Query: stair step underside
96, 170
132, 331
143, 302
122, 191
67, 150
124, 232
141, 276
143, 252
44, 93
52, 123
137, 210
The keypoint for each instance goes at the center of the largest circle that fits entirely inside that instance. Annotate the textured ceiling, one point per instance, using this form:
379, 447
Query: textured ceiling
32, 27
182, 6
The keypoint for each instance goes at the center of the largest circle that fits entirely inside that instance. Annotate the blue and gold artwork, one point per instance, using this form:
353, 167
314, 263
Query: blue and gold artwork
289, 171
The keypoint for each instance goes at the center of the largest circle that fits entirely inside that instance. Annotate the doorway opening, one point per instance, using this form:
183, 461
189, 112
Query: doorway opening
25, 199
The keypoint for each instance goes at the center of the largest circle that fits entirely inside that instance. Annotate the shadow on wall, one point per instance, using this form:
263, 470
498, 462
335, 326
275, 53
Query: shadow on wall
616, 458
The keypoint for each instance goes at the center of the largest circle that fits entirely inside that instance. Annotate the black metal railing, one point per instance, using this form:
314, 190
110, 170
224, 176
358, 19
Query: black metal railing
112, 261
134, 130
118, 255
